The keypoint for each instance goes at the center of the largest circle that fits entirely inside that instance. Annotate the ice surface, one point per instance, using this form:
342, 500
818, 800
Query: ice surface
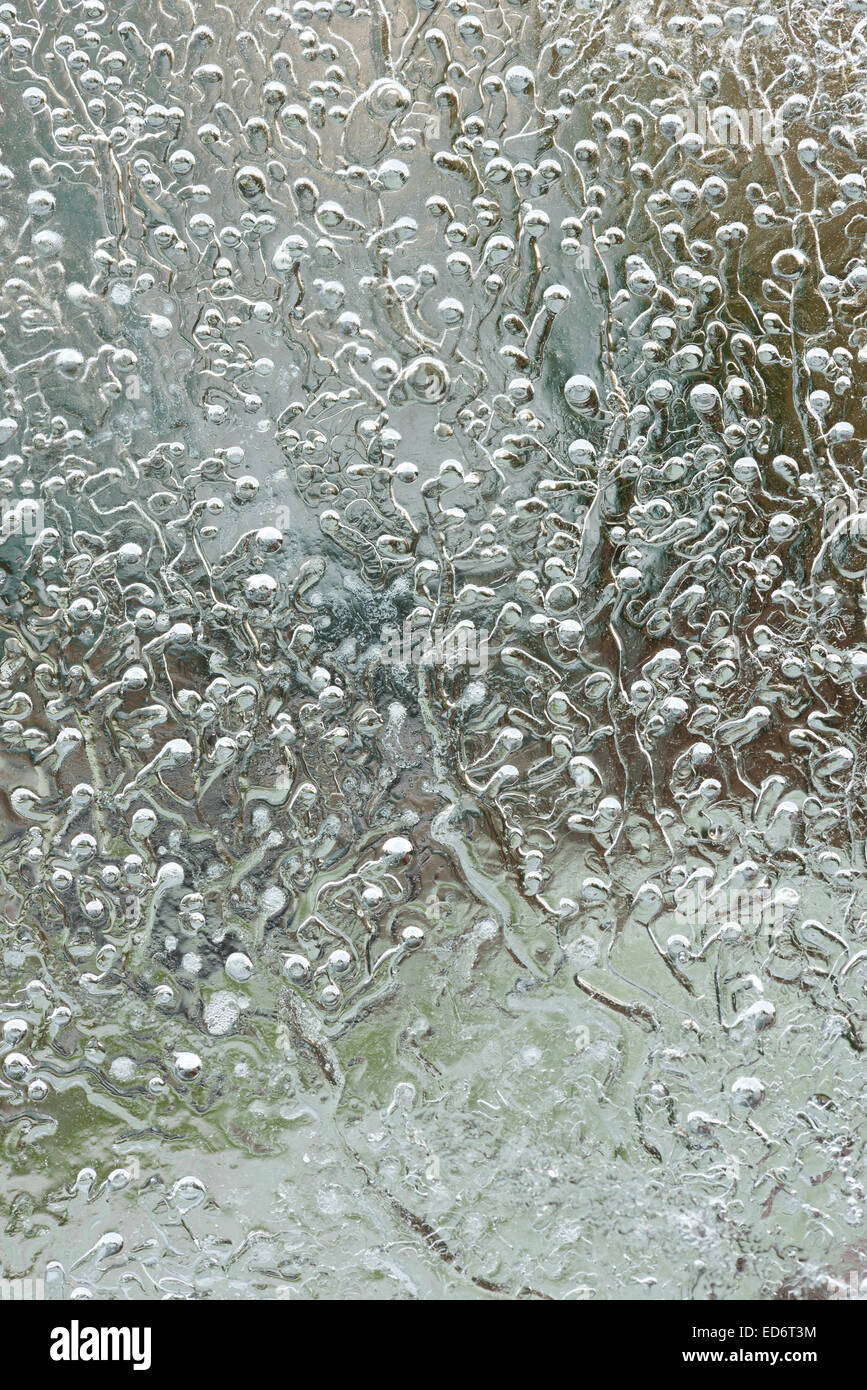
433, 491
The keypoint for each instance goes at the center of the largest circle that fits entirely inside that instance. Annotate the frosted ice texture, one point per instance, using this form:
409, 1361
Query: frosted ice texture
434, 528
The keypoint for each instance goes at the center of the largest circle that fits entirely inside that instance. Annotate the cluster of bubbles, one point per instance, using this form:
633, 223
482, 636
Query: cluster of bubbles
343, 315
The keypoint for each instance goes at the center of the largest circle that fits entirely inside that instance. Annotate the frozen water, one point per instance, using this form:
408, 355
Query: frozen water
433, 491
